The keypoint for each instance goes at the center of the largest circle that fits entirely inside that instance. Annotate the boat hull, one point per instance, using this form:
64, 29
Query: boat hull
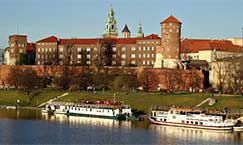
119, 117
224, 128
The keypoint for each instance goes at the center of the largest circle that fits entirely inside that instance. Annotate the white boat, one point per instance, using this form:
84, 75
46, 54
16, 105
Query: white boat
55, 108
101, 109
191, 118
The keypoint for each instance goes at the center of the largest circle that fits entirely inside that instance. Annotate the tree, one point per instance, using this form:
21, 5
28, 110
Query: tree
26, 79
103, 55
65, 79
148, 80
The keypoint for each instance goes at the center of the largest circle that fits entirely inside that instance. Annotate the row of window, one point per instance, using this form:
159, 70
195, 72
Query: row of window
17, 45
49, 43
88, 62
148, 42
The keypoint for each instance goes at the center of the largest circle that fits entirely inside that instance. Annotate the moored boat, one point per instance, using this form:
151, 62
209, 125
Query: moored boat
191, 118
99, 108
104, 109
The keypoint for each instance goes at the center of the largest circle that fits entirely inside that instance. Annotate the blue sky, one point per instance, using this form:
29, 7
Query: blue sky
214, 19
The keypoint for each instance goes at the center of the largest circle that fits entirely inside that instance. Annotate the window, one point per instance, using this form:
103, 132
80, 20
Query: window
114, 49
60, 56
123, 55
133, 62
20, 50
88, 49
170, 30
79, 49
113, 55
123, 48
152, 48
61, 49
170, 24
46, 49
148, 48
79, 56
95, 49
113, 62
139, 55
61, 62
148, 55
133, 48
123, 62
152, 55
133, 56
88, 62
139, 48
144, 62
49, 49
88, 56
144, 48
144, 55
148, 63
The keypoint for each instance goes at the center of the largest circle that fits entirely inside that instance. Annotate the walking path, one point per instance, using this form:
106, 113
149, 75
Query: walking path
51, 100
210, 100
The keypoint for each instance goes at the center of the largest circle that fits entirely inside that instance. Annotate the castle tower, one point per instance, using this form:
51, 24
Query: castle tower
140, 31
168, 54
110, 26
125, 32
17, 48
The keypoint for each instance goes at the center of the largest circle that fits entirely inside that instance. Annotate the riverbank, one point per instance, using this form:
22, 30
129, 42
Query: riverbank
140, 101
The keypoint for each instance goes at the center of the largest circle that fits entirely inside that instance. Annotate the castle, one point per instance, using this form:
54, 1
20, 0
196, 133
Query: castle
111, 50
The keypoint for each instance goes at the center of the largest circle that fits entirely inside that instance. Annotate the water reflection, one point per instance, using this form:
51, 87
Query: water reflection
87, 121
32, 127
197, 135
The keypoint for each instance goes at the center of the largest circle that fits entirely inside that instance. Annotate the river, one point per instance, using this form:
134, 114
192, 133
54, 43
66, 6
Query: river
32, 127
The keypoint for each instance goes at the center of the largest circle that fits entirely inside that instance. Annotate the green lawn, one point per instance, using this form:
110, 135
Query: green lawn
140, 100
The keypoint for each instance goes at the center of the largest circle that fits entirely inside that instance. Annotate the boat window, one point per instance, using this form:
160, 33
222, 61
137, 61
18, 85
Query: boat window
154, 113
182, 121
90, 109
161, 119
187, 122
165, 120
171, 112
191, 122
196, 122
201, 123
174, 117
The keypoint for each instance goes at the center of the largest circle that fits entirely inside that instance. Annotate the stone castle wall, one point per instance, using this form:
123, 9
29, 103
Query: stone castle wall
153, 77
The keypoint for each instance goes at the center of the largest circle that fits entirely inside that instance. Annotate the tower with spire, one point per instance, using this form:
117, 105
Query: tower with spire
126, 32
140, 31
110, 26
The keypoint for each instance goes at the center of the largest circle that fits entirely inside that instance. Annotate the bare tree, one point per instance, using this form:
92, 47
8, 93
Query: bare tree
103, 55
26, 78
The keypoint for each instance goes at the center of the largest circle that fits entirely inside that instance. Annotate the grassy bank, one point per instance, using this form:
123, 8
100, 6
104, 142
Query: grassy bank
140, 100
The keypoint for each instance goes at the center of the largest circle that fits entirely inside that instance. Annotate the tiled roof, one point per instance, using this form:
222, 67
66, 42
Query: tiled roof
49, 39
170, 19
152, 36
116, 40
195, 45
31, 47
